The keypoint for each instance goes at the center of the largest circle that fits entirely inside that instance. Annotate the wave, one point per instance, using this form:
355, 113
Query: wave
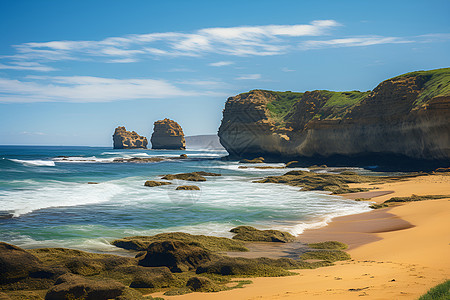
20, 202
34, 163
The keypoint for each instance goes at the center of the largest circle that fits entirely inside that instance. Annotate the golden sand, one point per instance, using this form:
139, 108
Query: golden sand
398, 252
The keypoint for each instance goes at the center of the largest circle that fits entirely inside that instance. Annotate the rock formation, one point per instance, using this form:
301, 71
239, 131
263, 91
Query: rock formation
124, 139
407, 116
168, 134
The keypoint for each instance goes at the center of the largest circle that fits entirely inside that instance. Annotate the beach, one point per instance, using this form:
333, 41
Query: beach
397, 253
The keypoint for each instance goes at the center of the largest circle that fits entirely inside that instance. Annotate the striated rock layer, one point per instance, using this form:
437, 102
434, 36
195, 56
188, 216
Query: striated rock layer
406, 116
168, 134
124, 139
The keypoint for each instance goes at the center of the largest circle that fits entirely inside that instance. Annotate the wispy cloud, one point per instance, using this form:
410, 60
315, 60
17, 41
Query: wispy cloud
249, 77
91, 89
352, 42
221, 63
236, 41
287, 70
33, 66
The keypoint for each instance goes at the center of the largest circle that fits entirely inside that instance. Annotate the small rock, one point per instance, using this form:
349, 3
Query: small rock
188, 187
152, 183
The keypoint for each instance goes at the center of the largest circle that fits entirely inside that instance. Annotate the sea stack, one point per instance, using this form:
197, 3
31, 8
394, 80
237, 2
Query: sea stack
168, 134
124, 139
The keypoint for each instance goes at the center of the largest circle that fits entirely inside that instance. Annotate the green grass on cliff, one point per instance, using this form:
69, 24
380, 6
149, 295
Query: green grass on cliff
282, 105
437, 83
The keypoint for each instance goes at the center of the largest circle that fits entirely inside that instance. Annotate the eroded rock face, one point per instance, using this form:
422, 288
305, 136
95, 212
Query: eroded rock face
168, 134
124, 139
407, 116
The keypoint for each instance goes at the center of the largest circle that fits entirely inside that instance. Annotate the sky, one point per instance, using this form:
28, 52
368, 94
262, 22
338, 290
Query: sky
72, 71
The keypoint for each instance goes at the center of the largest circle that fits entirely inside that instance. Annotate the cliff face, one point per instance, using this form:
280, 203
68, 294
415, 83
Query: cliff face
168, 134
124, 139
408, 115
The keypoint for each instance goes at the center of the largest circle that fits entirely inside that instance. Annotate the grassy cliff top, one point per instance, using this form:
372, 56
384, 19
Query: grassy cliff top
437, 83
338, 104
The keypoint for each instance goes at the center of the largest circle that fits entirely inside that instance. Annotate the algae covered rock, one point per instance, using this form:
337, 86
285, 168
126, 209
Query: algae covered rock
146, 277
188, 188
71, 286
168, 134
123, 139
257, 160
185, 176
15, 263
153, 183
202, 284
210, 243
248, 233
175, 255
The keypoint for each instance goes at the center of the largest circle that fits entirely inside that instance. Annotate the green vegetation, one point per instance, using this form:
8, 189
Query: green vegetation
324, 104
326, 255
248, 233
211, 243
308, 181
436, 83
282, 105
330, 245
416, 198
411, 198
439, 292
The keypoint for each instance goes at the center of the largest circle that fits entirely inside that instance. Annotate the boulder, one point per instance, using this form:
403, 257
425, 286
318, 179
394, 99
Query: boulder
188, 188
194, 176
183, 156
175, 255
152, 183
248, 233
148, 277
124, 139
168, 134
16, 263
70, 286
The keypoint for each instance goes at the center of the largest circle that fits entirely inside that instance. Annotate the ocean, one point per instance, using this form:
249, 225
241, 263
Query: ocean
45, 189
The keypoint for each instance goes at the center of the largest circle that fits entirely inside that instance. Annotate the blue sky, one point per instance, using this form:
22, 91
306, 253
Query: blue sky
72, 71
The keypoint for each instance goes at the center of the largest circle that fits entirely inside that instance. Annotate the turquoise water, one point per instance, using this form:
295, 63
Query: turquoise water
46, 190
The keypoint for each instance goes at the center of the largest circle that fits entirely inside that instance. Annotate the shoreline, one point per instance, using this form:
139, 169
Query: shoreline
397, 252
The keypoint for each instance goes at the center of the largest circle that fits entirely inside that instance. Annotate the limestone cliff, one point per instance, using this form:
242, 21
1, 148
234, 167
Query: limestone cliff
408, 116
123, 139
168, 134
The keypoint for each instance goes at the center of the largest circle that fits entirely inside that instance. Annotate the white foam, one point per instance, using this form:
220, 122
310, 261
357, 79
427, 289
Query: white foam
57, 194
34, 162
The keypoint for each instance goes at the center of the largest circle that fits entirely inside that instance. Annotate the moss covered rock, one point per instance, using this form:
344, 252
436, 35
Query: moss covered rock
176, 255
152, 183
248, 233
211, 243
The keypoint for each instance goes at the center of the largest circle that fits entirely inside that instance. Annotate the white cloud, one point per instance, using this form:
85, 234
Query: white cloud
27, 66
249, 77
287, 70
221, 63
237, 41
352, 42
89, 89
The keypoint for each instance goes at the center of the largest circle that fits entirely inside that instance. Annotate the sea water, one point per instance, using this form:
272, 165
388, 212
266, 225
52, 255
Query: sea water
46, 190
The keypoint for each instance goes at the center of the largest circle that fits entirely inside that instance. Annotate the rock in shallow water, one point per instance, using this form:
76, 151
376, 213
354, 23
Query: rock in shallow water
168, 134
123, 139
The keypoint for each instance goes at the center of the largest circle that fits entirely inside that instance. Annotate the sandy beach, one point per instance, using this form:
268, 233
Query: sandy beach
397, 252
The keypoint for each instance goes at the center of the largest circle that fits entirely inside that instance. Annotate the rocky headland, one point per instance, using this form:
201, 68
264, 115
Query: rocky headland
168, 134
404, 118
124, 139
